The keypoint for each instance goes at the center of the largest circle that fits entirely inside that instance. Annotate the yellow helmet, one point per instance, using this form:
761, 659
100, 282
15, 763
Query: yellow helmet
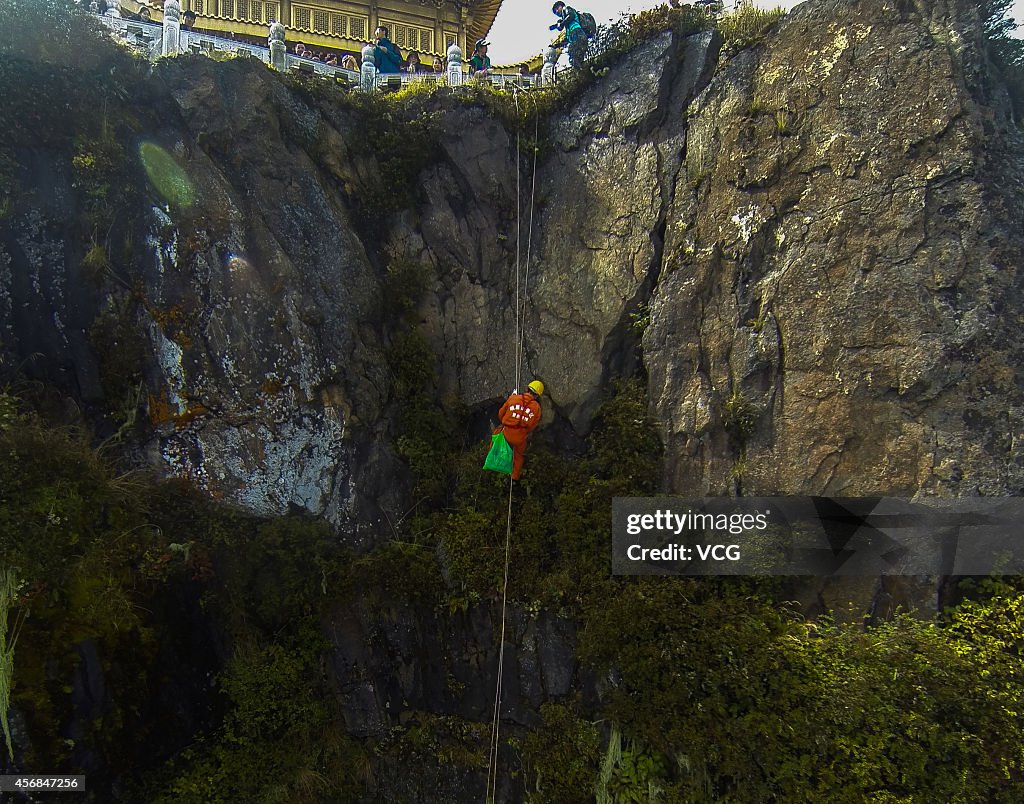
537, 387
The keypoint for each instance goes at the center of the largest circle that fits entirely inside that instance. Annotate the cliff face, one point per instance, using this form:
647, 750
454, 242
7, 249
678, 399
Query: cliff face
821, 246
811, 248
842, 265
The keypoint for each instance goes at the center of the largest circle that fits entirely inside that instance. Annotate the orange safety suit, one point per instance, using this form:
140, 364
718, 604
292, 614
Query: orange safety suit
518, 416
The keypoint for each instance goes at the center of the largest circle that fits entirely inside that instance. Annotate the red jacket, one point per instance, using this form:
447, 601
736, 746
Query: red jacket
521, 411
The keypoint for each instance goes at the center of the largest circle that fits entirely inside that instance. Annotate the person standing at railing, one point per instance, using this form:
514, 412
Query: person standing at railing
569, 21
350, 62
438, 66
480, 62
386, 53
413, 63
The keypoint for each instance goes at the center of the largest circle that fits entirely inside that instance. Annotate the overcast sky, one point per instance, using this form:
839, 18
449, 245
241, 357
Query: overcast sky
521, 28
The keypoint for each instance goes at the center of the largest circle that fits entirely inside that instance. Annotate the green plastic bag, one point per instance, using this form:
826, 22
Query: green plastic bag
499, 459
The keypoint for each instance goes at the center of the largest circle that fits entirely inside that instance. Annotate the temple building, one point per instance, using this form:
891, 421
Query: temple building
426, 26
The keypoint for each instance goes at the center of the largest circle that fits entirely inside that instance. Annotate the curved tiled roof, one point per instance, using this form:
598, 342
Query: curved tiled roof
484, 12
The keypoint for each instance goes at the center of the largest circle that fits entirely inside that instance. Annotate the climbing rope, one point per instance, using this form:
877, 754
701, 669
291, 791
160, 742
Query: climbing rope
492, 758
529, 236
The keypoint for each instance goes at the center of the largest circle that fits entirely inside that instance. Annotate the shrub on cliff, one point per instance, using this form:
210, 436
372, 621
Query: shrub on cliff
53, 31
1005, 49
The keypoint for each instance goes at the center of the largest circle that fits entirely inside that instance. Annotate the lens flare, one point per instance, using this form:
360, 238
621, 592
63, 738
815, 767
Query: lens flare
236, 262
166, 175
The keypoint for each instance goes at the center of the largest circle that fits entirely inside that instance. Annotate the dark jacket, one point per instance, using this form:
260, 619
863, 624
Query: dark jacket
570, 21
388, 56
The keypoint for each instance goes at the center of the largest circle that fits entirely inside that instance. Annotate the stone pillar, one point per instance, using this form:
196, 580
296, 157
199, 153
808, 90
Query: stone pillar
454, 65
368, 70
172, 27
278, 49
547, 73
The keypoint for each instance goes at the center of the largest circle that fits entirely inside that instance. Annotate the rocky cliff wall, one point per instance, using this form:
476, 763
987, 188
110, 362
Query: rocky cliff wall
818, 237
822, 247
810, 246
838, 297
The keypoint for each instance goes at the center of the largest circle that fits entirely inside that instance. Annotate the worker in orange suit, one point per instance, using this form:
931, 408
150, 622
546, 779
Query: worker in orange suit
518, 416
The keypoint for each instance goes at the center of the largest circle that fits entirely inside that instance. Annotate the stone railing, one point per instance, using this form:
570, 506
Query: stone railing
168, 38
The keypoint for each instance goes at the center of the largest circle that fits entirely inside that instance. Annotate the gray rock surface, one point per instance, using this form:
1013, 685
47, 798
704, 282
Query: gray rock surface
842, 265
266, 377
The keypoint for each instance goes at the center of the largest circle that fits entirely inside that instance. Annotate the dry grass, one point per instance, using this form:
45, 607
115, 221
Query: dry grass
747, 25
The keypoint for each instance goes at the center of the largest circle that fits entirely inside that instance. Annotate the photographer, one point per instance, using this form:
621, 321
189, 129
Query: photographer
569, 21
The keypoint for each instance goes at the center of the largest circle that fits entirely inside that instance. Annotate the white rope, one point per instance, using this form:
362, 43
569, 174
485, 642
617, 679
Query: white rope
492, 768
529, 236
519, 241
492, 759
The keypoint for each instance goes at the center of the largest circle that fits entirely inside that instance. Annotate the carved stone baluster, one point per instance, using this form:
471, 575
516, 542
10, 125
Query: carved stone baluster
172, 27
278, 49
368, 70
454, 65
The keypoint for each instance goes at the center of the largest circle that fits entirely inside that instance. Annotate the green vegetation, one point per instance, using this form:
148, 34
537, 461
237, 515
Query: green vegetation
561, 757
401, 132
1005, 50
8, 639
630, 31
98, 167
631, 774
722, 692
747, 25
105, 559
756, 705
428, 427
70, 526
121, 348
431, 739
757, 324
621, 37
784, 123
718, 690
52, 31
278, 740
739, 416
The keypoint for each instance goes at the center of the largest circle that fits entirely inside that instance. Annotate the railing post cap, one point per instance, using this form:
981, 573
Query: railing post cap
551, 55
368, 54
454, 52
172, 8
277, 32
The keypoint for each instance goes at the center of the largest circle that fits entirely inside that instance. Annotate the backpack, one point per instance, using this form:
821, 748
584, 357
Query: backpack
587, 23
